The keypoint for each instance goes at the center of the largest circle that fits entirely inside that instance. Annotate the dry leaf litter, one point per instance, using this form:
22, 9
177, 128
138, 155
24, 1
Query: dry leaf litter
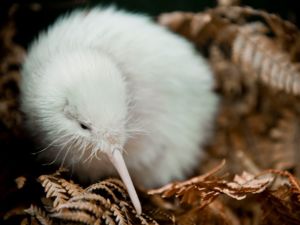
250, 173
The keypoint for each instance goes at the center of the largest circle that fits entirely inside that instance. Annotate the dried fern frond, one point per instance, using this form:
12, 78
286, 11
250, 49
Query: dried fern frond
282, 198
71, 188
17, 211
100, 188
269, 59
105, 202
161, 215
115, 185
277, 191
54, 189
76, 216
39, 214
258, 55
101, 200
214, 213
286, 32
94, 208
20, 181
89, 207
59, 189
203, 190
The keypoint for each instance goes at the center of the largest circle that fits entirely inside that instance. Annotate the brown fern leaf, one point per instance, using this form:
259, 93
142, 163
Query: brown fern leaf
115, 181
91, 197
227, 27
146, 220
20, 181
267, 58
284, 143
91, 208
120, 217
215, 213
283, 198
39, 214
108, 220
204, 189
100, 188
286, 31
71, 188
54, 189
175, 21
75, 216
25, 221
222, 213
18, 211
200, 28
88, 207
60, 172
125, 207
293, 181
189, 218
58, 188
277, 192
117, 187
169, 188
132, 217
160, 215
93, 204
258, 55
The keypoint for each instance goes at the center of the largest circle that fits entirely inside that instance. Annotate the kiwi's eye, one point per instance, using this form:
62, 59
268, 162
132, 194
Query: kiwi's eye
84, 126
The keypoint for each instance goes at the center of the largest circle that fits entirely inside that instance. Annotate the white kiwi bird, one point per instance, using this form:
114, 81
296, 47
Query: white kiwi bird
105, 87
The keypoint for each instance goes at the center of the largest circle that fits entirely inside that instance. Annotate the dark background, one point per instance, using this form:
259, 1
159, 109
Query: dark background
32, 16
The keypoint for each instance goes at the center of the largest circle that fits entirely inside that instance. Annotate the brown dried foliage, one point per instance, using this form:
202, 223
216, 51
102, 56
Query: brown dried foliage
255, 57
256, 67
248, 46
11, 57
105, 202
276, 191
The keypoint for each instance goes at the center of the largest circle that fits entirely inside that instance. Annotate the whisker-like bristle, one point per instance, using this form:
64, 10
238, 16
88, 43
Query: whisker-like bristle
62, 148
51, 144
66, 154
83, 149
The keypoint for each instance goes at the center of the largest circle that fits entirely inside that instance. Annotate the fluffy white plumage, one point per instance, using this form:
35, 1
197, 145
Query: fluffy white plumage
106, 77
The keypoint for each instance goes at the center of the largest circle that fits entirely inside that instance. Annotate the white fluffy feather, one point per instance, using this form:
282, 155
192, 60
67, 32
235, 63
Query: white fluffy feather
127, 79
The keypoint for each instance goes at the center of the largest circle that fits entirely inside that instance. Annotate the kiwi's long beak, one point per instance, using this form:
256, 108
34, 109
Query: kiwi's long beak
117, 160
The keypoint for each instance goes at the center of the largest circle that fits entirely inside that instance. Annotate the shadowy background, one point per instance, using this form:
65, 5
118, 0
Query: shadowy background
32, 16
